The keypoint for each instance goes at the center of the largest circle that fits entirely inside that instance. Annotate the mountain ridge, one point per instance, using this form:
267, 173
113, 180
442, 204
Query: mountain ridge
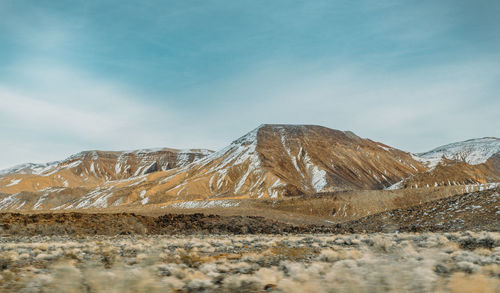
472, 151
271, 161
92, 168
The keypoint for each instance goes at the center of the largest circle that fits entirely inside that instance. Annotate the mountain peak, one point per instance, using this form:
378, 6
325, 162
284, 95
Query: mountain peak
286, 126
293, 131
288, 159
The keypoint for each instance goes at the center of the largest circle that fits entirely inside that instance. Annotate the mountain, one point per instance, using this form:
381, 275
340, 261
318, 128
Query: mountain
474, 161
275, 161
270, 162
93, 168
472, 151
28, 168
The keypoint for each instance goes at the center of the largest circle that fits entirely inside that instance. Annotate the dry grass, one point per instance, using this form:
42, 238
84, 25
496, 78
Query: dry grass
291, 253
427, 262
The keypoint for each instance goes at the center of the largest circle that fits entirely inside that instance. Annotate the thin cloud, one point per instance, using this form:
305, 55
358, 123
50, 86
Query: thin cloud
77, 110
413, 110
85, 76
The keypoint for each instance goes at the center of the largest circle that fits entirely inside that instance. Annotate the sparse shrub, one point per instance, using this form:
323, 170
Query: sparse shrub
237, 283
486, 242
381, 244
483, 251
172, 283
471, 243
66, 278
329, 255
37, 283
441, 269
73, 254
44, 257
291, 253
293, 263
467, 267
108, 258
192, 260
199, 285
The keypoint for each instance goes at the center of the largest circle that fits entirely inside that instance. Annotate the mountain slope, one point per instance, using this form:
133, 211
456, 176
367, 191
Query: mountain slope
475, 161
470, 211
272, 161
472, 151
269, 162
281, 160
93, 168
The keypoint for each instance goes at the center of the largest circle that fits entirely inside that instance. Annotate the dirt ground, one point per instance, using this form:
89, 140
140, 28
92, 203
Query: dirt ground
127, 223
473, 211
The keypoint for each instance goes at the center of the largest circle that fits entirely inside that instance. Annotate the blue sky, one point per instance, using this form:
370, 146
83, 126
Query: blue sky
112, 75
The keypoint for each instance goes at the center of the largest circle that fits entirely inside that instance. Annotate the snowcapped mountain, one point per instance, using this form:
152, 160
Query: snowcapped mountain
472, 151
92, 168
474, 161
280, 160
28, 168
271, 161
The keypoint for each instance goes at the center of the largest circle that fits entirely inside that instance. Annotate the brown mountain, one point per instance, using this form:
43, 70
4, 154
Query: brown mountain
475, 161
274, 161
270, 162
94, 168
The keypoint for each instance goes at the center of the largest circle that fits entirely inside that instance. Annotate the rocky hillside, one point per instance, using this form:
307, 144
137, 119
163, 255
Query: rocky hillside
93, 168
469, 211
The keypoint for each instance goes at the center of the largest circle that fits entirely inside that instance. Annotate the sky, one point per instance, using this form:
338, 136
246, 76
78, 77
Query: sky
121, 75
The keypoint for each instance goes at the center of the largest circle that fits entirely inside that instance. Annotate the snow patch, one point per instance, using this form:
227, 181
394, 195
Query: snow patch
14, 182
137, 182
318, 176
97, 198
205, 204
8, 201
318, 179
182, 159
388, 149
272, 191
92, 168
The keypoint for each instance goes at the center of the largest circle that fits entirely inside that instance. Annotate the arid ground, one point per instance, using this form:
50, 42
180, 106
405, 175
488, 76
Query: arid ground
303, 244
392, 262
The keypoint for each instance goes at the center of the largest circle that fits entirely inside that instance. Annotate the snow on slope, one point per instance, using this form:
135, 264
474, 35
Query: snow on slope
145, 158
473, 151
243, 161
270, 161
279, 160
91, 169
29, 168
239, 157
